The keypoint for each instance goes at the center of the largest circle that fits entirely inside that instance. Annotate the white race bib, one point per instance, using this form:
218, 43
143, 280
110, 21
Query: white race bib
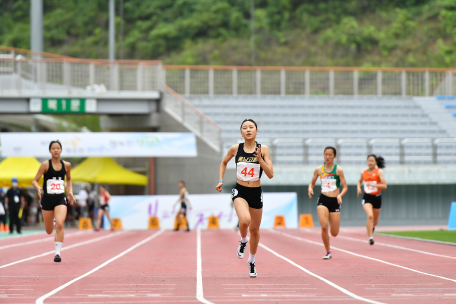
328, 185
16, 199
371, 188
55, 186
248, 172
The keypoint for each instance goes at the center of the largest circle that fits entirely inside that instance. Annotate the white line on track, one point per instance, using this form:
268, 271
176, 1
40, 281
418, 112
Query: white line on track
199, 270
40, 240
41, 299
64, 248
364, 256
320, 278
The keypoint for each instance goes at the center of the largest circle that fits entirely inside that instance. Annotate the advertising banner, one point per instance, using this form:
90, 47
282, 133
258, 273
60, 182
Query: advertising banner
135, 211
100, 144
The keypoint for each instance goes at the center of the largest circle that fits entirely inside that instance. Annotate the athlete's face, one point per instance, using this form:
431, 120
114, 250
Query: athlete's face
329, 156
248, 130
181, 185
55, 150
371, 163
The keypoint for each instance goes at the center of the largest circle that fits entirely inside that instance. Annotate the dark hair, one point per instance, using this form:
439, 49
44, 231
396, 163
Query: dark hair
55, 142
379, 160
181, 181
332, 148
103, 186
251, 120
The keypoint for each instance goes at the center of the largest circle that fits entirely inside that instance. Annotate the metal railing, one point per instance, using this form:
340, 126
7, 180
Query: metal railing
190, 117
307, 81
301, 151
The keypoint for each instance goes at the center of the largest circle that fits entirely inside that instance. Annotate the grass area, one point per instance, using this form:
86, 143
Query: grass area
436, 235
24, 232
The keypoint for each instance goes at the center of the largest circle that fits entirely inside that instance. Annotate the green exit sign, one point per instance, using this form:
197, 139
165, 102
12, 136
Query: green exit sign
63, 105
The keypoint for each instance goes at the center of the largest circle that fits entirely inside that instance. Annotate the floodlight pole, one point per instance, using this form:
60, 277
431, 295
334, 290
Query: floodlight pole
252, 42
112, 31
36, 26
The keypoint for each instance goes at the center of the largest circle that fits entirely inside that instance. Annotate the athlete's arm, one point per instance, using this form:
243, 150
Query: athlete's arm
264, 158
108, 196
360, 182
71, 199
341, 175
229, 155
312, 183
43, 169
382, 185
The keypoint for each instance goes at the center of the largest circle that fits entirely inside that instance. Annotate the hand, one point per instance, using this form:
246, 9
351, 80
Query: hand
71, 199
311, 192
219, 187
39, 192
339, 199
257, 153
359, 191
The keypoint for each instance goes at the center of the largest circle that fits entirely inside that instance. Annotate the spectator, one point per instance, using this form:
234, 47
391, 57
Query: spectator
14, 201
2, 211
82, 201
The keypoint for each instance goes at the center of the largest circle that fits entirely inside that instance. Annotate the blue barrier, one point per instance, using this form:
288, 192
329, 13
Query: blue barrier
452, 219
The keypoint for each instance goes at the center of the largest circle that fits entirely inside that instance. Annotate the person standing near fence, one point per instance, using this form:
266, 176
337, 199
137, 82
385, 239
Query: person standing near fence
83, 195
14, 201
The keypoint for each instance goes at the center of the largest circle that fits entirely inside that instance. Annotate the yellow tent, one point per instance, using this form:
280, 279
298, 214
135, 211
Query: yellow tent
105, 170
24, 168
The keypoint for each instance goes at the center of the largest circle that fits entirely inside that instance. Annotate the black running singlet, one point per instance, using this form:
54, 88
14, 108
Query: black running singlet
54, 179
248, 167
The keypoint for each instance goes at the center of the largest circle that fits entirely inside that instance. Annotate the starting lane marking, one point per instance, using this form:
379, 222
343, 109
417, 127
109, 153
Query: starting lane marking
41, 299
64, 248
40, 240
320, 278
364, 256
199, 270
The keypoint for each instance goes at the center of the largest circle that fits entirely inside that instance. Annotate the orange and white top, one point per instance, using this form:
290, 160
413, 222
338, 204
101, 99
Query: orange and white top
373, 179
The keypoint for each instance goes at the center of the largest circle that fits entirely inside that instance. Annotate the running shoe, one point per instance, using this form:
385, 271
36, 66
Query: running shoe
241, 249
327, 256
57, 258
371, 241
252, 270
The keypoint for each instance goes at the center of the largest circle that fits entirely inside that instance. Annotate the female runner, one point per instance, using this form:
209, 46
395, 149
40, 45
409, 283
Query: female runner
183, 199
104, 207
251, 160
328, 206
374, 183
53, 201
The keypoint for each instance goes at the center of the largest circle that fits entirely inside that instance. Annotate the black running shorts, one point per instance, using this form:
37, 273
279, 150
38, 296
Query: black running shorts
329, 202
49, 201
374, 200
183, 207
253, 196
105, 207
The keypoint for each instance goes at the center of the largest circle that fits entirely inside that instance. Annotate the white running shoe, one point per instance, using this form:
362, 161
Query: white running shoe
241, 249
252, 270
327, 256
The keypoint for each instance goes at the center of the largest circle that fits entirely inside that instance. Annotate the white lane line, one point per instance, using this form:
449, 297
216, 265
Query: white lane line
40, 240
320, 278
199, 270
41, 299
64, 248
365, 257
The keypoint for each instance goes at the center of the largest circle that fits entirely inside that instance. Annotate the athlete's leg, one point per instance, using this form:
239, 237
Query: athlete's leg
100, 215
242, 210
108, 217
254, 228
370, 218
178, 220
48, 219
334, 223
323, 217
376, 216
60, 213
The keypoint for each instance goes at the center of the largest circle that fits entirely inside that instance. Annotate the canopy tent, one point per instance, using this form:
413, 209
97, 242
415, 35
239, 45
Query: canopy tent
24, 168
105, 170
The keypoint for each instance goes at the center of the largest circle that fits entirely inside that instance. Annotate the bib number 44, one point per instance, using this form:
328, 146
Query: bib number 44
245, 173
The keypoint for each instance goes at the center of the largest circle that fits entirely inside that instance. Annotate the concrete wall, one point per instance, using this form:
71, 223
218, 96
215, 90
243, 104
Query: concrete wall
200, 173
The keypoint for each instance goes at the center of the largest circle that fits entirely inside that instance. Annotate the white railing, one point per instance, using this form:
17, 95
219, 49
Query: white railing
302, 151
307, 81
190, 117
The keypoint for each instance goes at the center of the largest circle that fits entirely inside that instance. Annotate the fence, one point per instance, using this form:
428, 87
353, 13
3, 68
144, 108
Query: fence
300, 151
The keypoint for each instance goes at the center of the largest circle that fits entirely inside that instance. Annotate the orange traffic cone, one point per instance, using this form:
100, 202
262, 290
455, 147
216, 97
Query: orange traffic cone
2, 228
7, 228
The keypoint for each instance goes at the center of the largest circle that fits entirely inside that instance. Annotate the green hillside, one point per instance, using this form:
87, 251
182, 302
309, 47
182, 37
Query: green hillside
412, 33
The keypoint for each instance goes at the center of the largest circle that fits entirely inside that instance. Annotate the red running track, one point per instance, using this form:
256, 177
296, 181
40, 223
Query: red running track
156, 267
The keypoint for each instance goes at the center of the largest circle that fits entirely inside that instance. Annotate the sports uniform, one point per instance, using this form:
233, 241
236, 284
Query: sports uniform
329, 182
104, 202
372, 195
53, 188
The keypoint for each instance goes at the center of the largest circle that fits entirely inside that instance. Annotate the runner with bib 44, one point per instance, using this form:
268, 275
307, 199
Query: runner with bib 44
251, 159
328, 205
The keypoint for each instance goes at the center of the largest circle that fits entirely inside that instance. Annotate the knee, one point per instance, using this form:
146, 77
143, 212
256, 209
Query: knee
324, 229
49, 230
58, 226
244, 222
254, 231
370, 217
335, 233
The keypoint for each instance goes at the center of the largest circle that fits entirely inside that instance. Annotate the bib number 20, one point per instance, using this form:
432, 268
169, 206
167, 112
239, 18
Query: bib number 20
245, 173
55, 186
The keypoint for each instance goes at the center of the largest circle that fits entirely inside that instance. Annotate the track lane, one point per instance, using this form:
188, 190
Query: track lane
31, 237
365, 277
